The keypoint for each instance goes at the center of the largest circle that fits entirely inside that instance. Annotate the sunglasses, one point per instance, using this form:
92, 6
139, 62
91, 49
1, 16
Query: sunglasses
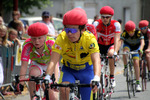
72, 30
46, 16
105, 17
130, 32
143, 28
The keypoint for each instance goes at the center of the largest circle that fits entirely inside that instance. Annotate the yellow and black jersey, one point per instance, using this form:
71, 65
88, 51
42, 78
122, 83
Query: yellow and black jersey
134, 40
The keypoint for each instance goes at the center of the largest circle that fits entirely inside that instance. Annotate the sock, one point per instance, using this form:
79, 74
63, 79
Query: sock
137, 82
111, 76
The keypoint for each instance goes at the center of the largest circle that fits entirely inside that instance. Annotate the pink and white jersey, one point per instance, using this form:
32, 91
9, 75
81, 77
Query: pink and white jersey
29, 52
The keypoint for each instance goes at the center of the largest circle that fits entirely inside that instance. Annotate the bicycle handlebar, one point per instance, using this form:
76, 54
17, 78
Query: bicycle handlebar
109, 57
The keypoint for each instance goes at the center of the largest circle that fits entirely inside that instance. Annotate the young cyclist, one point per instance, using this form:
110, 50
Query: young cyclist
38, 49
80, 53
143, 25
133, 41
108, 36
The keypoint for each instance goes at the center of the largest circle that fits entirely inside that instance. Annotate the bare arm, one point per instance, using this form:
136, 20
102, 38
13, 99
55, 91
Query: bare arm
116, 42
96, 63
23, 70
53, 61
142, 44
17, 40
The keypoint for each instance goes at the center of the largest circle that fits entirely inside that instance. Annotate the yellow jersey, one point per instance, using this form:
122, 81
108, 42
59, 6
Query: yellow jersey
76, 55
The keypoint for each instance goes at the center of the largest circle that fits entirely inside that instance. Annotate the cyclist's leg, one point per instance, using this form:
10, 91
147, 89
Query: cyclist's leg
137, 70
111, 61
126, 48
66, 76
34, 70
87, 76
111, 66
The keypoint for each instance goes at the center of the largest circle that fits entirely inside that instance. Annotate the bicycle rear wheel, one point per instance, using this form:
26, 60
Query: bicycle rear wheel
144, 79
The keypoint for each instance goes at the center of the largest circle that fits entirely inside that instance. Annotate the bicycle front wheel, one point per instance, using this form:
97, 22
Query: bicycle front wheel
128, 83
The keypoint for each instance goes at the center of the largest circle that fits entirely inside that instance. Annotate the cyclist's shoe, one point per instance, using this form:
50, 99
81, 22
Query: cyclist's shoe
125, 72
138, 88
149, 76
112, 82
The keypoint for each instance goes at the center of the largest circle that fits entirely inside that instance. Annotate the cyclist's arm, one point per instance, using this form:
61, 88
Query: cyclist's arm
142, 44
148, 43
116, 42
95, 57
23, 70
56, 71
53, 62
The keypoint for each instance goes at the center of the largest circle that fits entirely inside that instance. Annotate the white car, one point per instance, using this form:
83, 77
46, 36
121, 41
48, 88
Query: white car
57, 22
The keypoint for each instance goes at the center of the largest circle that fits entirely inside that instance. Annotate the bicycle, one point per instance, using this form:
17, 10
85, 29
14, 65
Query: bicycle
106, 88
74, 88
37, 92
143, 71
130, 78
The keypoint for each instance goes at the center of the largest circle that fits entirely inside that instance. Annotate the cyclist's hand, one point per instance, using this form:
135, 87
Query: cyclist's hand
96, 83
18, 89
116, 57
48, 77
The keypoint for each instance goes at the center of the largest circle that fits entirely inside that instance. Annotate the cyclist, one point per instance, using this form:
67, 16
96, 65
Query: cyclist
38, 49
143, 25
133, 41
80, 53
108, 36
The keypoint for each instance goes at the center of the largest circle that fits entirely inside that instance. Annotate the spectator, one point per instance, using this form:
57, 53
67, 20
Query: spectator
46, 19
3, 42
96, 17
12, 36
17, 24
1, 21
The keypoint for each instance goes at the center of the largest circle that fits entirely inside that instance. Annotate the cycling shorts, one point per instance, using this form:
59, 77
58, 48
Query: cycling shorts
41, 68
84, 76
105, 48
134, 56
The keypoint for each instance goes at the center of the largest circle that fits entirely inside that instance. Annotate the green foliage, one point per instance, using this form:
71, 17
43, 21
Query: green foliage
25, 6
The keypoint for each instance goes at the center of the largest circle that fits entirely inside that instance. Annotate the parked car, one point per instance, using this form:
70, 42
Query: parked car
57, 22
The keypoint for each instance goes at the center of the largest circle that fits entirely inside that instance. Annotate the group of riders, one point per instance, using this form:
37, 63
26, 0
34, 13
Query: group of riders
79, 50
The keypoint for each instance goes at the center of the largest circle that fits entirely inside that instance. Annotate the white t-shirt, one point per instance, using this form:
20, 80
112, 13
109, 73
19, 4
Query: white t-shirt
50, 28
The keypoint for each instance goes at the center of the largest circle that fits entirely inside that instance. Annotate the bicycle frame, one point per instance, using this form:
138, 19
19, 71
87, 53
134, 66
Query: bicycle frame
38, 81
130, 77
106, 89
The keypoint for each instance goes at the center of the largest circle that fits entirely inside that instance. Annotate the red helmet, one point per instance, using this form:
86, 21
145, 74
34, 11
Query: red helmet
143, 23
76, 16
107, 10
37, 29
130, 26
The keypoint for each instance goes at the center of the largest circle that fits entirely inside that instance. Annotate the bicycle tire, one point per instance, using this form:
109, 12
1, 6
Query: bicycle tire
132, 81
102, 89
144, 79
128, 83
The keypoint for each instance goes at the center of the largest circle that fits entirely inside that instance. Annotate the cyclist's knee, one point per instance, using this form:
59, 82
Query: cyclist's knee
34, 71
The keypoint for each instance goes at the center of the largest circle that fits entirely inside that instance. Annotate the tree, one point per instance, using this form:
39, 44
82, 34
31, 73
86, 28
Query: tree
24, 6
